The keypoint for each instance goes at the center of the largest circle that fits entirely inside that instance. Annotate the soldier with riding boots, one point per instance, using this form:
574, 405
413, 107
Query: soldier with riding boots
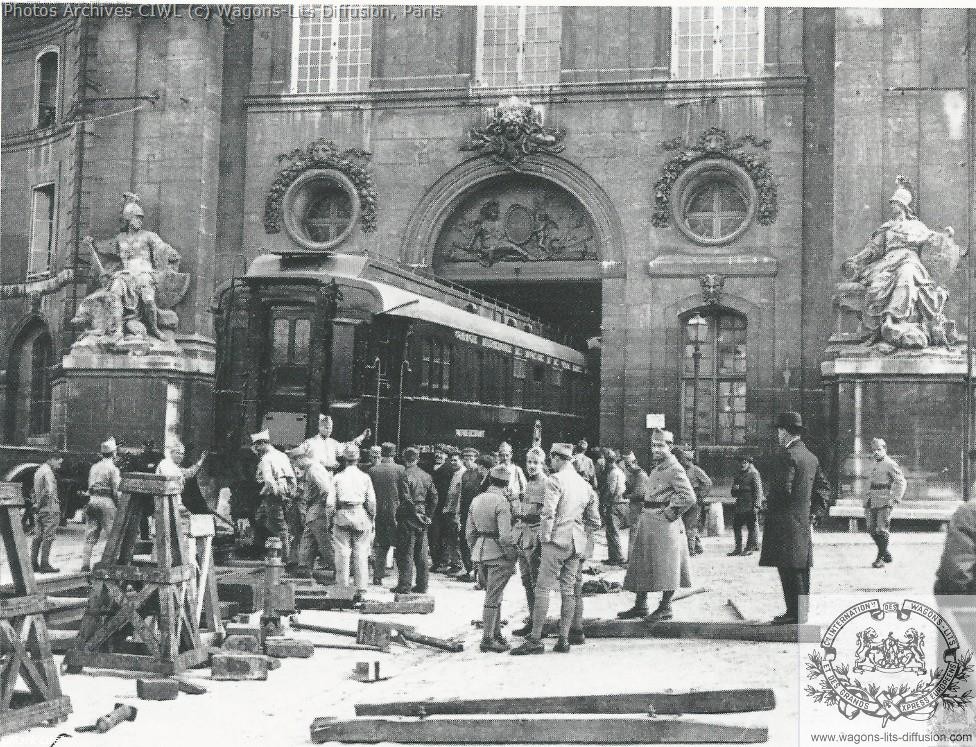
104, 479
747, 490
489, 533
886, 487
48, 509
568, 497
317, 485
659, 559
701, 483
528, 521
612, 483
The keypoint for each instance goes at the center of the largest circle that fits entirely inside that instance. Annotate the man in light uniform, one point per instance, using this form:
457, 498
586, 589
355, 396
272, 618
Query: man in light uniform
635, 491
352, 527
171, 466
276, 481
489, 533
659, 558
48, 510
516, 486
103, 491
701, 483
886, 487
325, 449
567, 498
475, 473
527, 514
317, 485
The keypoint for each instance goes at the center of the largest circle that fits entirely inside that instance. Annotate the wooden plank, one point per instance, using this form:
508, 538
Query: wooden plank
54, 585
724, 631
534, 731
17, 719
663, 704
410, 607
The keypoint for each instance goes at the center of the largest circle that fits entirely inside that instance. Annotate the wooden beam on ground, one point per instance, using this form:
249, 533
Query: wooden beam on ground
406, 607
689, 593
722, 631
735, 609
534, 731
663, 704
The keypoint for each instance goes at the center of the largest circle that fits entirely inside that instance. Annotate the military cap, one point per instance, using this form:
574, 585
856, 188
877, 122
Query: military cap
470, 451
351, 453
109, 446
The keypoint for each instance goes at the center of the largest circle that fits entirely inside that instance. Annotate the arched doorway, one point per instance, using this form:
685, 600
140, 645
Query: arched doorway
29, 385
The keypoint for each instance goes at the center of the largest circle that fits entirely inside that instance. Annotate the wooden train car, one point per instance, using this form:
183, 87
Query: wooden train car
375, 344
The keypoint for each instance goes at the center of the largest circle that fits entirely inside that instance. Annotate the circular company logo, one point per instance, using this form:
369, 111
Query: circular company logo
889, 661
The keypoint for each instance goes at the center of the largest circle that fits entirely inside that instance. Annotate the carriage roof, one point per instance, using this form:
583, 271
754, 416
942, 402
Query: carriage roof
391, 300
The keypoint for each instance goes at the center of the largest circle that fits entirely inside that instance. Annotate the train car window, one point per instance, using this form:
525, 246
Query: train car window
538, 385
279, 342
425, 366
447, 354
303, 329
519, 368
479, 377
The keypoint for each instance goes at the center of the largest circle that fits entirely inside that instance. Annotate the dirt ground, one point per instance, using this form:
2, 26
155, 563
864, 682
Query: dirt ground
280, 711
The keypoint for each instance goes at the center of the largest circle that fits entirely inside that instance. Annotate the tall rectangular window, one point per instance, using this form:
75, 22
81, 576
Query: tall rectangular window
331, 49
46, 89
42, 230
518, 45
716, 41
713, 387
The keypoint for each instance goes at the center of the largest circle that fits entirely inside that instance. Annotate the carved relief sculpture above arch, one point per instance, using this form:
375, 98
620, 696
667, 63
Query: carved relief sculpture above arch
557, 180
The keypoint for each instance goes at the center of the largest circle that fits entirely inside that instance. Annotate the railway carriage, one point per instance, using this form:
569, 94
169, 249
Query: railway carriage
375, 344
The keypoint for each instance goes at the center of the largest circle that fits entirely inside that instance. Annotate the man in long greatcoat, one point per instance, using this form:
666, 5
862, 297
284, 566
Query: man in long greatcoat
795, 481
385, 475
659, 559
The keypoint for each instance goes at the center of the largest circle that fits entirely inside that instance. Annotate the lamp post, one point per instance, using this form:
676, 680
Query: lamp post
697, 327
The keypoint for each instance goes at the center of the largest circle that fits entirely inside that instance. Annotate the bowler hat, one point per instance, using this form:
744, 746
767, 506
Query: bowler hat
790, 421
501, 472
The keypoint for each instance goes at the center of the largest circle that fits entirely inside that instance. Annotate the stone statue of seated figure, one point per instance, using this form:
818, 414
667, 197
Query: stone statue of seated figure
141, 283
894, 281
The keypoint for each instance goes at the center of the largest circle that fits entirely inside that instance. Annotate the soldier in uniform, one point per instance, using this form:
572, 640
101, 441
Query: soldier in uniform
325, 449
747, 490
612, 485
103, 492
788, 540
886, 487
451, 517
276, 481
583, 464
418, 498
528, 521
172, 466
352, 525
489, 532
567, 498
659, 559
48, 510
701, 483
635, 490
516, 486
440, 526
317, 485
386, 484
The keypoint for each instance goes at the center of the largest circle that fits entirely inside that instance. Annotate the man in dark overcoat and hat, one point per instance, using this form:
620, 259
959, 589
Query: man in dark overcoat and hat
795, 481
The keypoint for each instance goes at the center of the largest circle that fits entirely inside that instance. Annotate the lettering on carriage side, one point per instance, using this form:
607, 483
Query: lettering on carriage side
469, 433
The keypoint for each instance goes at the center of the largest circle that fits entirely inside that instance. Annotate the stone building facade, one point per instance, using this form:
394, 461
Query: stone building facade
690, 174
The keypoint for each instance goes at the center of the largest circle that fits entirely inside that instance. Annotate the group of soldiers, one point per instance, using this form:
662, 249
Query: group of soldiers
480, 517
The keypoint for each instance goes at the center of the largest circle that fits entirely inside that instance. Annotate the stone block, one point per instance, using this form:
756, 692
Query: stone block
157, 689
247, 644
284, 648
238, 666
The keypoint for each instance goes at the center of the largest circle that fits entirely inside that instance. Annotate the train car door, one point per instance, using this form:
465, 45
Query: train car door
287, 380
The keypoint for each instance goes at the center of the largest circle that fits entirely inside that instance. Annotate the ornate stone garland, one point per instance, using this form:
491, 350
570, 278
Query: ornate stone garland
712, 143
323, 154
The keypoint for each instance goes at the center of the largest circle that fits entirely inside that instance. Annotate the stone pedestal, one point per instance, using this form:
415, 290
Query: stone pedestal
916, 401
134, 397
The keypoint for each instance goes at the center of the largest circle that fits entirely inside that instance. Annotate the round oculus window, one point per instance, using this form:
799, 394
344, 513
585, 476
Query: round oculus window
713, 202
320, 209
